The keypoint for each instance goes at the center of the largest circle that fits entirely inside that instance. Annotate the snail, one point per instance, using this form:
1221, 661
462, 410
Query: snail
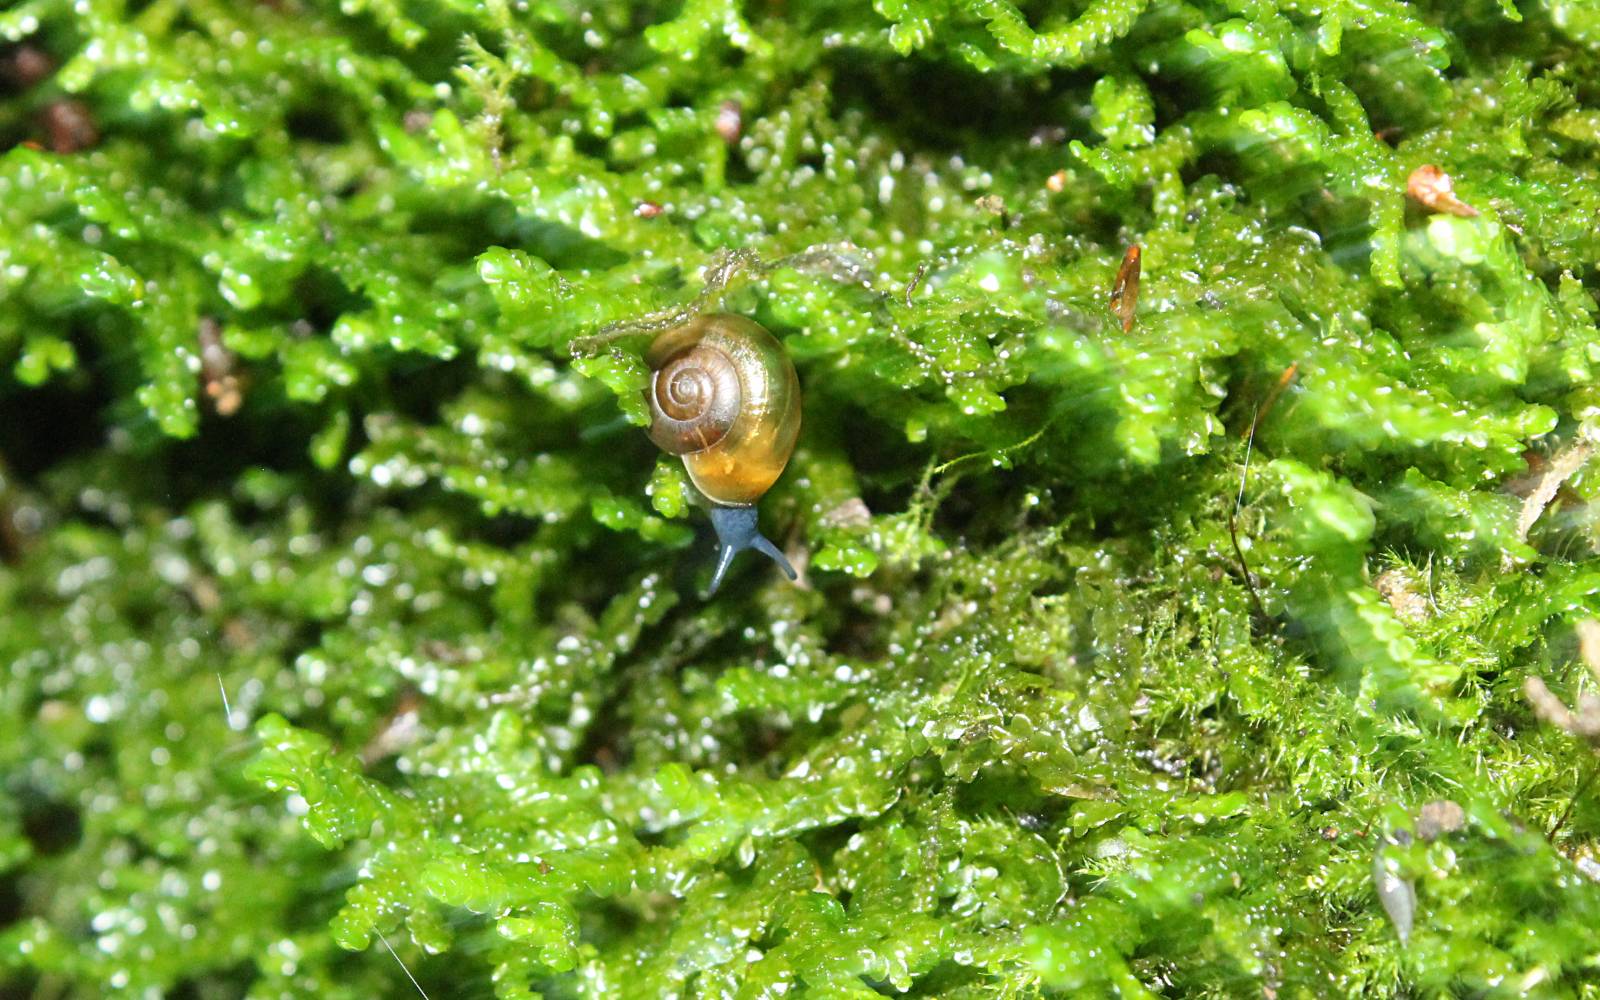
724, 396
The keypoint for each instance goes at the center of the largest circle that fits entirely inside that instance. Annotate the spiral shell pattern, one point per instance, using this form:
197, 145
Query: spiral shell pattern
724, 395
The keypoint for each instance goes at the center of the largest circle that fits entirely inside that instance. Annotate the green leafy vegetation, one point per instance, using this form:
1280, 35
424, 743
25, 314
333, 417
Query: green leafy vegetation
353, 629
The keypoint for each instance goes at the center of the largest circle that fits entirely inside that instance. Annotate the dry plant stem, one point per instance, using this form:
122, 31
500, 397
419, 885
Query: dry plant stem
1561, 468
1547, 706
1233, 524
1272, 396
1583, 719
1589, 644
1124, 299
1244, 478
914, 283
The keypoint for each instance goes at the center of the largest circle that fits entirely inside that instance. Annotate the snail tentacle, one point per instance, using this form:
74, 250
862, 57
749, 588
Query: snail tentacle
736, 531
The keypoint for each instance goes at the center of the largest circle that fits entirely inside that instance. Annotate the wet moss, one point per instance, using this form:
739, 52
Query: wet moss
348, 610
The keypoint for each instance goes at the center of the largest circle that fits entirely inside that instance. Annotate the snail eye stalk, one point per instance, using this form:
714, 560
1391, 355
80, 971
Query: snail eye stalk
736, 531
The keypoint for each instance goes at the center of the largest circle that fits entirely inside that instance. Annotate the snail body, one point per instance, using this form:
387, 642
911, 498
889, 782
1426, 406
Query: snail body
725, 398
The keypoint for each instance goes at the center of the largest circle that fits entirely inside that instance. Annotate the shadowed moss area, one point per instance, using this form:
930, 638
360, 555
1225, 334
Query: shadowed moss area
351, 627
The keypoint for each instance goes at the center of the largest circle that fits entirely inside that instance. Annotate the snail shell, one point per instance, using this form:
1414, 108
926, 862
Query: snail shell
724, 395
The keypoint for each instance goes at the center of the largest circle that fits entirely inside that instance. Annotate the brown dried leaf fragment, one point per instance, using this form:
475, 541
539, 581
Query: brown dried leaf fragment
222, 385
69, 126
11, 543
400, 730
1125, 293
1440, 817
730, 121
26, 66
1434, 189
852, 513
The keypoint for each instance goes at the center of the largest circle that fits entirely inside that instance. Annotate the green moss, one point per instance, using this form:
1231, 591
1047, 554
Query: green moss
347, 608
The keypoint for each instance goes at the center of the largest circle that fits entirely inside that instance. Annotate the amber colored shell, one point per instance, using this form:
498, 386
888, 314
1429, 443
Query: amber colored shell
724, 395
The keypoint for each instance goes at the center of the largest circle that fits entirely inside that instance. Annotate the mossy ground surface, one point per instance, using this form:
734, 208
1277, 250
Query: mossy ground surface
344, 609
